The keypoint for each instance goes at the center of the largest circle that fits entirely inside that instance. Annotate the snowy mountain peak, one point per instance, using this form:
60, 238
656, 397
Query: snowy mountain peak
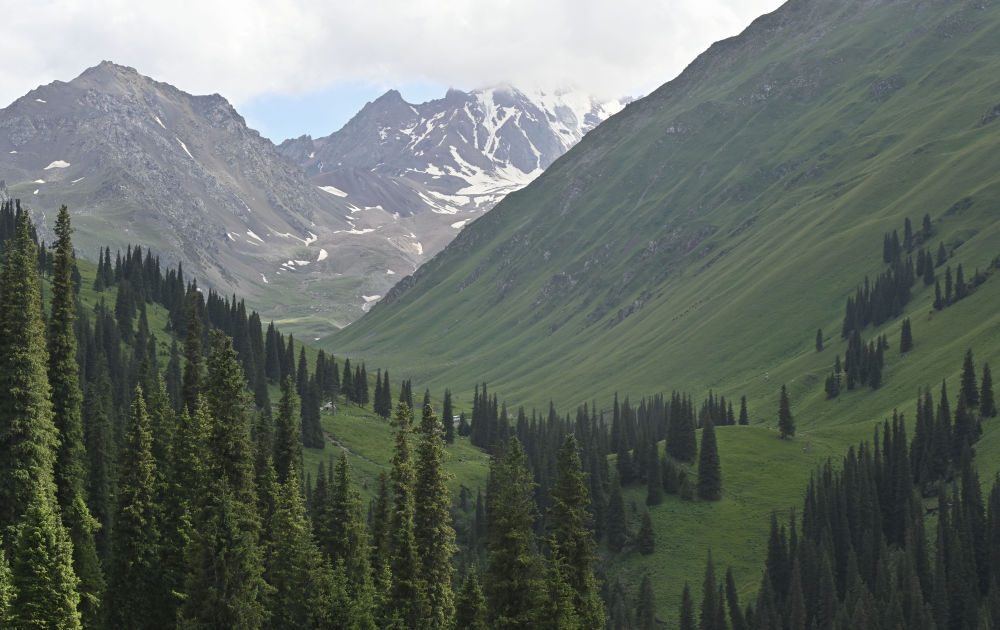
463, 152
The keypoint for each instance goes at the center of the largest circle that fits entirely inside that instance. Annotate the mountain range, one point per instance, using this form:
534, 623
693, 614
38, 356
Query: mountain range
312, 232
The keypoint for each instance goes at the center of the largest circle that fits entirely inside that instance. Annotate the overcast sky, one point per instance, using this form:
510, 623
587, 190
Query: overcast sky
305, 66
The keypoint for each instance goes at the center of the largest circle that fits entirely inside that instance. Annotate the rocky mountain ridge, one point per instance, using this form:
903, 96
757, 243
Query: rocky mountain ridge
140, 161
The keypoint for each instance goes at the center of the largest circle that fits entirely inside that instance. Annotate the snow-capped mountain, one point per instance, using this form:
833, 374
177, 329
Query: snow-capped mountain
455, 157
142, 162
316, 238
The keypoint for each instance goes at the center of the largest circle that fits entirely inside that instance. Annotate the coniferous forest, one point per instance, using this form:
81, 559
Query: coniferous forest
151, 482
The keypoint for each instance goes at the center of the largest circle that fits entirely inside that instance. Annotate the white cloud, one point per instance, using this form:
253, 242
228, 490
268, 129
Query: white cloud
254, 47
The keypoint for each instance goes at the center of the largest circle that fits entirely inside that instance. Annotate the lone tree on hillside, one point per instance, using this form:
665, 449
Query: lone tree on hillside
786, 424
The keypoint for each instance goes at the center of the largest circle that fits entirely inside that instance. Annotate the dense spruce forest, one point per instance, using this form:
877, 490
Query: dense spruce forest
150, 482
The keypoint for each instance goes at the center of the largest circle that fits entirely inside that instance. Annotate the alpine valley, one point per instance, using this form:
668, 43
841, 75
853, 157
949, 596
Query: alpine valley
716, 358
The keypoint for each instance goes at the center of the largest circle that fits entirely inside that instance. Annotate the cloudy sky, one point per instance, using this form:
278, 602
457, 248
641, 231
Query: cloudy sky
305, 66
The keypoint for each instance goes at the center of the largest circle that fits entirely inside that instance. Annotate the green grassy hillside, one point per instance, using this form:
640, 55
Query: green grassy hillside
698, 239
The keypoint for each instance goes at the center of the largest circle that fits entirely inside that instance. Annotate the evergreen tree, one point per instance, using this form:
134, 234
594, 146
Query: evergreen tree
819, 340
709, 602
347, 382
906, 337
225, 587
616, 527
645, 541
406, 600
304, 595
513, 578
555, 607
135, 596
350, 551
571, 540
709, 469
736, 618
645, 609
447, 416
987, 404
28, 436
44, 585
287, 438
191, 380
470, 605
432, 530
744, 418
969, 391
67, 407
686, 621
786, 425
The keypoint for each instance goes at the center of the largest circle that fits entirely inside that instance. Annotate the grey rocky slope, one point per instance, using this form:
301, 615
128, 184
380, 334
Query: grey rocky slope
139, 161
313, 232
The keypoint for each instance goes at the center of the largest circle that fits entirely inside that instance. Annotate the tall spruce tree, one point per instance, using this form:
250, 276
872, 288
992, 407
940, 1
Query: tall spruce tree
351, 551
225, 587
616, 526
969, 390
406, 602
136, 598
304, 594
28, 436
447, 417
193, 351
906, 337
645, 609
67, 408
786, 424
513, 579
287, 437
470, 605
571, 540
709, 469
42, 577
987, 404
645, 541
432, 531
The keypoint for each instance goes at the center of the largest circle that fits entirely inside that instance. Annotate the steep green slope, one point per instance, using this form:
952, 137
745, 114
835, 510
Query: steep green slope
700, 237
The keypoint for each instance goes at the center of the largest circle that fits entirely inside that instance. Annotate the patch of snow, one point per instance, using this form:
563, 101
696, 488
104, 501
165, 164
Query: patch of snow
371, 298
420, 249
38, 181
333, 190
355, 231
13, 152
160, 122
230, 236
312, 155
57, 164
458, 225
36, 192
252, 235
264, 278
302, 263
38, 100
310, 239
322, 255
79, 179
390, 272
184, 146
